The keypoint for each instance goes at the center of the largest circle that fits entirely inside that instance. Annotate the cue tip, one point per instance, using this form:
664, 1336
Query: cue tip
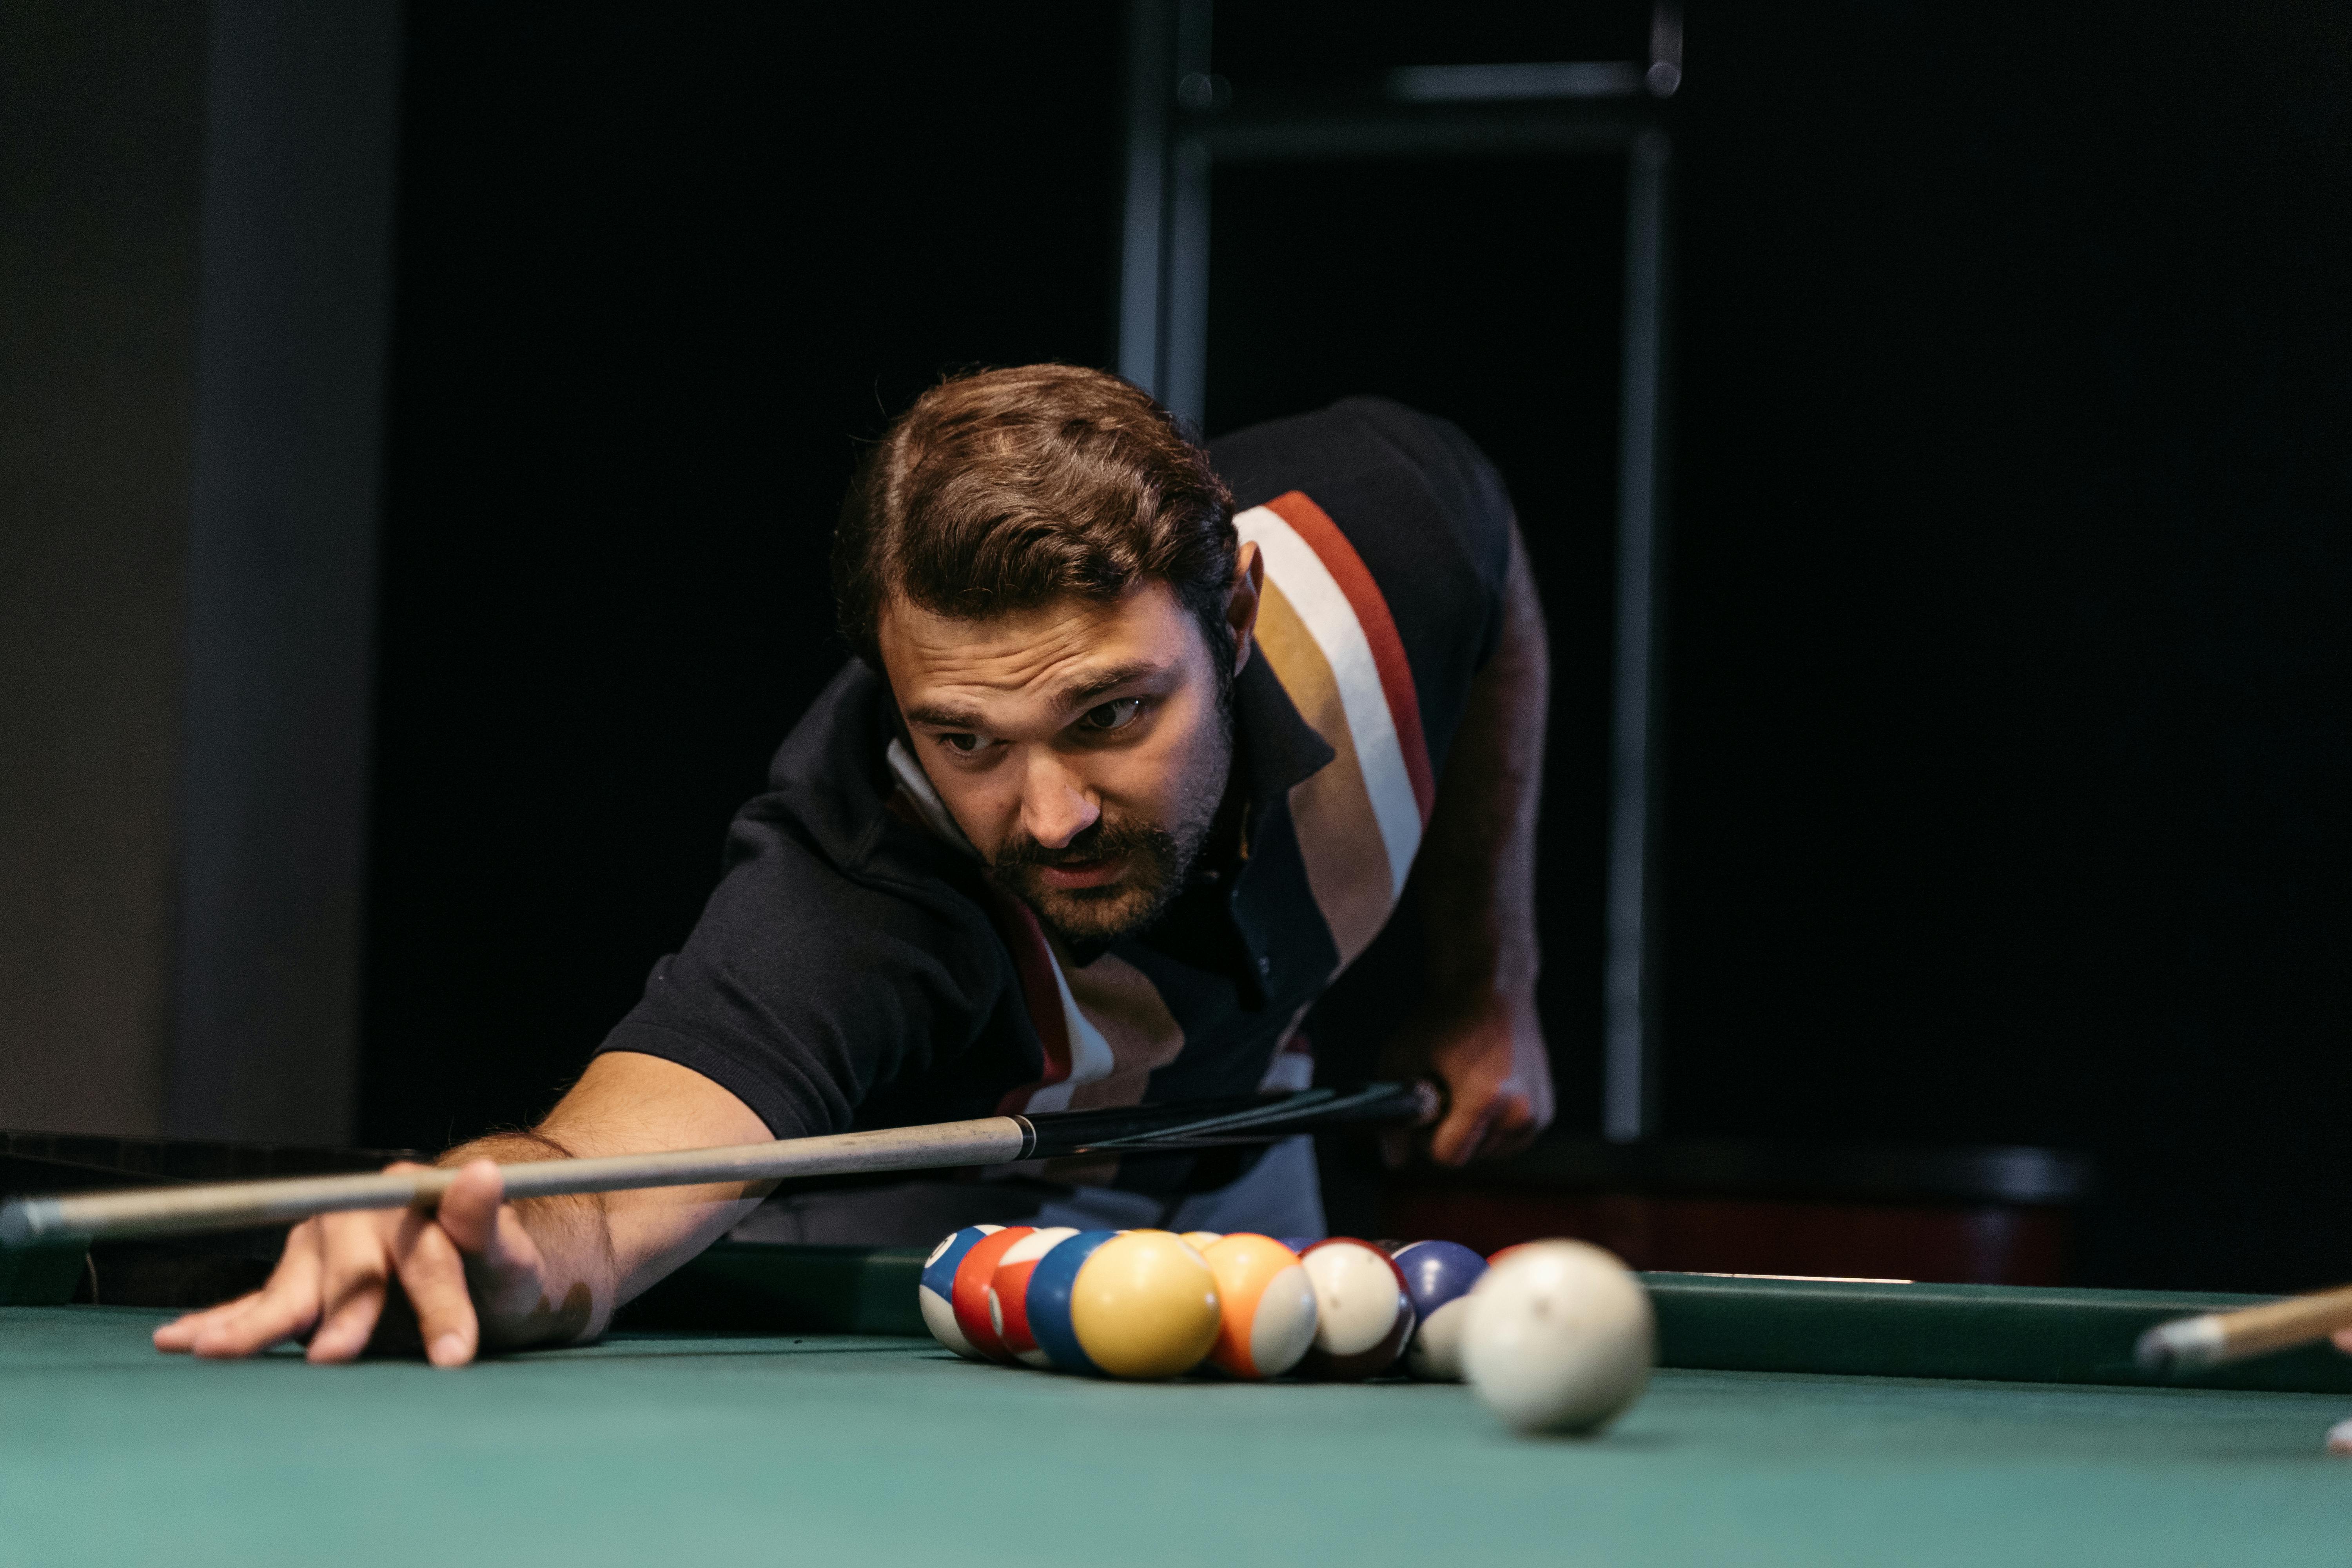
2182, 1344
19, 1223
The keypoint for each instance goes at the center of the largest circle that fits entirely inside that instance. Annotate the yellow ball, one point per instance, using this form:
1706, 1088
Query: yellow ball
1144, 1305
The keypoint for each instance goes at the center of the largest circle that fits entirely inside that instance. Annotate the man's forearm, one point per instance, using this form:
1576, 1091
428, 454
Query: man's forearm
1475, 872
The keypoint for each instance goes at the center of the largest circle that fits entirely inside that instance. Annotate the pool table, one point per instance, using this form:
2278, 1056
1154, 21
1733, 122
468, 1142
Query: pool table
770, 1404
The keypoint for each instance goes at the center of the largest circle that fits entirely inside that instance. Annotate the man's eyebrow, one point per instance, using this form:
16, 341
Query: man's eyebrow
1078, 691
944, 716
1092, 683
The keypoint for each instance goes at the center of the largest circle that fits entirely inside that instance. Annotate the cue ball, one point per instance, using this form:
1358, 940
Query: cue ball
1559, 1337
1363, 1316
936, 1293
1267, 1304
1438, 1276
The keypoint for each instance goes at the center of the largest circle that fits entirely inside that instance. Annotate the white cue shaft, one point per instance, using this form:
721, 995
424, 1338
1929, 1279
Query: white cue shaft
2213, 1337
232, 1205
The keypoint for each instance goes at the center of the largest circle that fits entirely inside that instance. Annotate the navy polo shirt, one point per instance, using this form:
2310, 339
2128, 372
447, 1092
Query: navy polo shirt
856, 968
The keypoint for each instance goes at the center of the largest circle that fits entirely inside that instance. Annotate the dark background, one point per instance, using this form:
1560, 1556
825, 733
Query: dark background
2007, 757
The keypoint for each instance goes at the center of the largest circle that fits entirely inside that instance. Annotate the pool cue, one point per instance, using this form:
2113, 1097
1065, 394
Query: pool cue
2213, 1337
986, 1141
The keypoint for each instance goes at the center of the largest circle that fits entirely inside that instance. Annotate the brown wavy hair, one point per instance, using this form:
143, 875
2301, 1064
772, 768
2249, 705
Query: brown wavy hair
1003, 489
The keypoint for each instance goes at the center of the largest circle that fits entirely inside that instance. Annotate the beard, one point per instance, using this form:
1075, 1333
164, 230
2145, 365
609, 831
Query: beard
1159, 857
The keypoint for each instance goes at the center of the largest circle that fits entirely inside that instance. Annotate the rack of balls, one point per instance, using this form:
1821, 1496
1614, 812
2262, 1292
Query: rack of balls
1553, 1336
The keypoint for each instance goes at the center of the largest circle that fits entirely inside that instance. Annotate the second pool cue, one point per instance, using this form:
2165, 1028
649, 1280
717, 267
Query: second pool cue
2211, 1339
984, 1140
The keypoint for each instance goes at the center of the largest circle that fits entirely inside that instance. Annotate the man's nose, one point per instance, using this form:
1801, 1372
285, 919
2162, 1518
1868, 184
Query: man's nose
1054, 807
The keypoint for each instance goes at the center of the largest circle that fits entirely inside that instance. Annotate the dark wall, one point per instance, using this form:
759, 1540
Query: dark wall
2006, 746
2008, 771
657, 272
102, 131
195, 259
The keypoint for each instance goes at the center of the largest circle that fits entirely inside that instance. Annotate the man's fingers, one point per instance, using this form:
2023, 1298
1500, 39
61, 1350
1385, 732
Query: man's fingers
499, 1263
1483, 1125
1505, 1141
1513, 1127
278, 1314
350, 1324
433, 1273
334, 1283
282, 1310
469, 1209
356, 1270
2343, 1338
180, 1333
1464, 1128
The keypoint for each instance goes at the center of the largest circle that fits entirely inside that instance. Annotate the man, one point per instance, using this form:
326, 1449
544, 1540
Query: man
1130, 767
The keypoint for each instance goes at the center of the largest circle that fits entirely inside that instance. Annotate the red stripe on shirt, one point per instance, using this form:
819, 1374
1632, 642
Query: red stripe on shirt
1311, 523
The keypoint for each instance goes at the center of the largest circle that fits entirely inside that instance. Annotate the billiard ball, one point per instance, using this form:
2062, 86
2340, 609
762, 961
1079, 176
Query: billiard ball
1048, 1304
1133, 1303
1266, 1303
968, 1293
936, 1292
1145, 1306
1438, 1276
1559, 1337
1201, 1241
1008, 1292
1362, 1315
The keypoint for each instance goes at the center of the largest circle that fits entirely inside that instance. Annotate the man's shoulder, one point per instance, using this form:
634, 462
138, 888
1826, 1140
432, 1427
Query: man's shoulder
1386, 537
1373, 457
1413, 497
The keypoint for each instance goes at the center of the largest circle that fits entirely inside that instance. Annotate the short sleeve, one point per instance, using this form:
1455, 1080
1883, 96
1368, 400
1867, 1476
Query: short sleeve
805, 992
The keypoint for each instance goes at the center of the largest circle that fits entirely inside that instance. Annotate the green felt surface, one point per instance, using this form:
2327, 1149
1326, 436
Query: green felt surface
715, 1450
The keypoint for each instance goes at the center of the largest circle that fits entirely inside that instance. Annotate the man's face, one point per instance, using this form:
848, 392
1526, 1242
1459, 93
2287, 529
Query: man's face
1083, 747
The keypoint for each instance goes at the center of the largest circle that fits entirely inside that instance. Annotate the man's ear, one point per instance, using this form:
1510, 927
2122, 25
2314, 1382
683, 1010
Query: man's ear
1241, 603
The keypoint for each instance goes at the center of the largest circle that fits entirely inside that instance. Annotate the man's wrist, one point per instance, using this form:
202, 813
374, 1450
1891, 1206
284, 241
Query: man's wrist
505, 1149
1487, 995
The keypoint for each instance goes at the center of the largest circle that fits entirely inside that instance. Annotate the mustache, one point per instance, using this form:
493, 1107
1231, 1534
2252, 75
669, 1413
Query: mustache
1103, 840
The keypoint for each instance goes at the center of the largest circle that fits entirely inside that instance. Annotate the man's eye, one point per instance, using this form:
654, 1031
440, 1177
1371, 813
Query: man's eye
1114, 715
966, 744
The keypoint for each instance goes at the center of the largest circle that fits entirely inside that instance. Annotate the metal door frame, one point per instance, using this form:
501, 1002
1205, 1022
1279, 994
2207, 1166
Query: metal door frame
1182, 121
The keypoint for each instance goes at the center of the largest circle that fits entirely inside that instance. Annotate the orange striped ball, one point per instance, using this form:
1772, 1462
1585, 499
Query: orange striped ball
1267, 1304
